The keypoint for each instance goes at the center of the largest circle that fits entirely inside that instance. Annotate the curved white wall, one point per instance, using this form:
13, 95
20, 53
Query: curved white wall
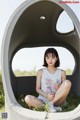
15, 111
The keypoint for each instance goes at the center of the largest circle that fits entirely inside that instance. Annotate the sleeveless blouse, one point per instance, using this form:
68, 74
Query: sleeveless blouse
49, 82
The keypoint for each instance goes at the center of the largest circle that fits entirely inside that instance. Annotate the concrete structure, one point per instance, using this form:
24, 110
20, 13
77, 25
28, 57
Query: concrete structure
33, 24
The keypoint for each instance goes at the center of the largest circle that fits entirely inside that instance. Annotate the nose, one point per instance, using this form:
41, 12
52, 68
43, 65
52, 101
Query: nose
50, 59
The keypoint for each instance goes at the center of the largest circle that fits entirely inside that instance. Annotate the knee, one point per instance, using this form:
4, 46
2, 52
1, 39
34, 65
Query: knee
27, 99
67, 83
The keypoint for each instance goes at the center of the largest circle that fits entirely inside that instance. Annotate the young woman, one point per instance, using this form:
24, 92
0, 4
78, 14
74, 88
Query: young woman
51, 84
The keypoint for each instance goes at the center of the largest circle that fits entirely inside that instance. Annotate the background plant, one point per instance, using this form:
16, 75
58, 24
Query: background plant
1, 92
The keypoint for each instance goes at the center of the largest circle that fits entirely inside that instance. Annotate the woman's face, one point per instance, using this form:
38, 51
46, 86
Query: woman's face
51, 59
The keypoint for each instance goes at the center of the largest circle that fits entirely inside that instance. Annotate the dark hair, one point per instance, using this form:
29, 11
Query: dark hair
53, 51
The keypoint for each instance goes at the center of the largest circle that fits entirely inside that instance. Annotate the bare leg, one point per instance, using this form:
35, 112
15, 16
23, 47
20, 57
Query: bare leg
62, 92
60, 102
33, 101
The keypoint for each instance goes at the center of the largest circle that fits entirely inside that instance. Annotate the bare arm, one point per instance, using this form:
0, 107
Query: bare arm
38, 85
63, 76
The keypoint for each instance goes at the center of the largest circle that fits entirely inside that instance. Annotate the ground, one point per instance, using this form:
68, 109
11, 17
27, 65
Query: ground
72, 103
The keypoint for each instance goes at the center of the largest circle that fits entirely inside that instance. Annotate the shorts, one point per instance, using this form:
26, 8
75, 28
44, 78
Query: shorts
45, 100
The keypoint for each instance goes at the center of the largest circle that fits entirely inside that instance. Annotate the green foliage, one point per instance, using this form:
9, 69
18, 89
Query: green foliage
1, 92
1, 85
68, 71
33, 72
21, 101
72, 103
25, 73
45, 107
1, 100
2, 109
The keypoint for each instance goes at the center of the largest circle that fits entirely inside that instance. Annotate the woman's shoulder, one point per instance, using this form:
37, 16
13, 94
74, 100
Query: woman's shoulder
62, 71
40, 71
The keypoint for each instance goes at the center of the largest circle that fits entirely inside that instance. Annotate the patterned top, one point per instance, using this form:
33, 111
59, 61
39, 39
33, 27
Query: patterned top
49, 81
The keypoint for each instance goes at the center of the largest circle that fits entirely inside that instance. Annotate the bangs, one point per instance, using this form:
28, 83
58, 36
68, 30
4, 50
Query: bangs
50, 54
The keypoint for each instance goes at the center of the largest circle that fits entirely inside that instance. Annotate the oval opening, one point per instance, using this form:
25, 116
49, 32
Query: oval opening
64, 23
27, 61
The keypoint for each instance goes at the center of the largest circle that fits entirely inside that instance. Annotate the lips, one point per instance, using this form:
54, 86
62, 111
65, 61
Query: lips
50, 63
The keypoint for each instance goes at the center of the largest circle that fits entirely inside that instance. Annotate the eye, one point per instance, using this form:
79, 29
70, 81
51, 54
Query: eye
47, 57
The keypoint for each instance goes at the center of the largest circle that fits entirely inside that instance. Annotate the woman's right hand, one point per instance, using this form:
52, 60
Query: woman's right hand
51, 96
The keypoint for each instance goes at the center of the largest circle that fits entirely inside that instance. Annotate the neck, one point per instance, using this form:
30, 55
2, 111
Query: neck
51, 68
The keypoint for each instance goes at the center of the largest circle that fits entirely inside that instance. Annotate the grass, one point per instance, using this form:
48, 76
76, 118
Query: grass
2, 109
72, 103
